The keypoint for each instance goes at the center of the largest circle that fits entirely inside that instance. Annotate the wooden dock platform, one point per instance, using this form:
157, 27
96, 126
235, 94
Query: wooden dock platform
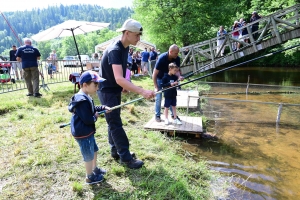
182, 99
191, 125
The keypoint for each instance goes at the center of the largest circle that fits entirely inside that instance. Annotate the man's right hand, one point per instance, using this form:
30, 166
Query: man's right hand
148, 94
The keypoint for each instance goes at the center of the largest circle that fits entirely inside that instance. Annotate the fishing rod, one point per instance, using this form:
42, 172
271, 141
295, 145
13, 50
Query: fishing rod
68, 124
227, 68
267, 55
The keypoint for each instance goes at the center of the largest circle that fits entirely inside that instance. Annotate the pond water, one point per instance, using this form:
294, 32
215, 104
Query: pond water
260, 158
258, 75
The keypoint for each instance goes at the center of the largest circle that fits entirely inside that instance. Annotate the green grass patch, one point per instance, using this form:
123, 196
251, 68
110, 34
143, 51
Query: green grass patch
39, 160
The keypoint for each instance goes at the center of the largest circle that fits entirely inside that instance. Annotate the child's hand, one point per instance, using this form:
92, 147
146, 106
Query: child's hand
96, 115
175, 83
107, 109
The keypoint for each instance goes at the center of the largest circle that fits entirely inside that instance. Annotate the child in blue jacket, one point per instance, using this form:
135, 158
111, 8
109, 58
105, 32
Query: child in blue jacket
170, 80
84, 116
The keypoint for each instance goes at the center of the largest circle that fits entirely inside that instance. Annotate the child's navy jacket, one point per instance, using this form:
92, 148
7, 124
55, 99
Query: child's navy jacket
83, 118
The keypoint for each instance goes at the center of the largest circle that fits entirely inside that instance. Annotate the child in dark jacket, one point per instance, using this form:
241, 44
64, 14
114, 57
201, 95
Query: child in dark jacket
170, 80
85, 114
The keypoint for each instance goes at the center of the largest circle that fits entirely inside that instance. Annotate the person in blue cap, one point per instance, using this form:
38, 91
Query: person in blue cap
84, 116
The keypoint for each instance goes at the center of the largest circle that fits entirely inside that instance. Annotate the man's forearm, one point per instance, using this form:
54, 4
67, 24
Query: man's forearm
155, 80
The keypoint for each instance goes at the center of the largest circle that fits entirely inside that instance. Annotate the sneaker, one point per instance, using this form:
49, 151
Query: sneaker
99, 171
29, 94
116, 156
166, 121
37, 95
133, 163
177, 121
94, 178
157, 118
177, 117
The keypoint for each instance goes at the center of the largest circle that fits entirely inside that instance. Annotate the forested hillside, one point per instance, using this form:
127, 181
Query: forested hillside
27, 23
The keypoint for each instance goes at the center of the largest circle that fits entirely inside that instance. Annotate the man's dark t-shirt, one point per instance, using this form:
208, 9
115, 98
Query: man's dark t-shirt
114, 54
29, 56
12, 55
162, 64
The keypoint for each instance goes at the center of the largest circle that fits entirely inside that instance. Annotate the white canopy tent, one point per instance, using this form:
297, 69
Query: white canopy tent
141, 44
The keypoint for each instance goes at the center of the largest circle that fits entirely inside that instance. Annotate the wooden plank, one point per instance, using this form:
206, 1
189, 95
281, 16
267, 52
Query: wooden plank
186, 127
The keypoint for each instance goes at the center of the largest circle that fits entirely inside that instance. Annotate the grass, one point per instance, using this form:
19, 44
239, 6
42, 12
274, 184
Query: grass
41, 161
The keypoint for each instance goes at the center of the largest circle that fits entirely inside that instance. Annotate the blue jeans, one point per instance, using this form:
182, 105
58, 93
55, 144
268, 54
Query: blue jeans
117, 137
158, 98
88, 147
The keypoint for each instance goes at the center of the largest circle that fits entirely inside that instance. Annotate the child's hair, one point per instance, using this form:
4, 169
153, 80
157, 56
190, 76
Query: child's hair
172, 66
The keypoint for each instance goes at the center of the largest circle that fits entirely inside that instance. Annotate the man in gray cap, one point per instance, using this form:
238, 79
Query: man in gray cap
113, 66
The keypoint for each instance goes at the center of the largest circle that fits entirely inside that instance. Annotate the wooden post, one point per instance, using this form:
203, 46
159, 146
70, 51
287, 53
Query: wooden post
247, 85
212, 55
276, 31
188, 105
264, 30
194, 60
279, 114
297, 17
251, 38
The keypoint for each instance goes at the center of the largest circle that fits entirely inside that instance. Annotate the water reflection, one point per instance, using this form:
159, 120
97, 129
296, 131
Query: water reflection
259, 75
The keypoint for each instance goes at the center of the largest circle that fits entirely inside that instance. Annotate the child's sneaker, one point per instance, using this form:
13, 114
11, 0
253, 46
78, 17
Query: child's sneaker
94, 178
99, 171
177, 121
166, 121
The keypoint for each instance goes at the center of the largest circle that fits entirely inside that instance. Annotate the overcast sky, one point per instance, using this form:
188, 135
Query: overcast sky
14, 5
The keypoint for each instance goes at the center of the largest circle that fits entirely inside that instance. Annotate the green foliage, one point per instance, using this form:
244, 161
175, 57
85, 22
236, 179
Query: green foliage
27, 23
182, 22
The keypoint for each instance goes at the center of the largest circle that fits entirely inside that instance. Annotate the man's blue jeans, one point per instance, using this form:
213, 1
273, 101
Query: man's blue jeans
158, 98
117, 137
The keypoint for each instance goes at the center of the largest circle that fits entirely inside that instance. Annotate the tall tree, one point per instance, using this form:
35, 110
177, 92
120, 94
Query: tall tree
182, 22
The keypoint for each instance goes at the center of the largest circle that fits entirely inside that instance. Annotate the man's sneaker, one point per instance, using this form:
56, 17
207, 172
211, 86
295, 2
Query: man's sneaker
99, 171
177, 121
29, 94
166, 121
94, 178
37, 95
133, 164
157, 118
116, 156
177, 117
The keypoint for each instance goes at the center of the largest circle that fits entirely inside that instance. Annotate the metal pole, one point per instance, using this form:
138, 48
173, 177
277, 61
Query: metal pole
247, 85
77, 49
279, 114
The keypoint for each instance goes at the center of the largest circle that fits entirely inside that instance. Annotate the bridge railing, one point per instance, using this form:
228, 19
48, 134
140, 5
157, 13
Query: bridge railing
51, 72
205, 55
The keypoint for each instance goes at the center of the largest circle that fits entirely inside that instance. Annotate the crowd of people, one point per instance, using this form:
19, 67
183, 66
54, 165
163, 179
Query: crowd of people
142, 63
241, 35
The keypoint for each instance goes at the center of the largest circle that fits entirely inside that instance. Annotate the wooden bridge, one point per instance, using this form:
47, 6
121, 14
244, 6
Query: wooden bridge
274, 29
